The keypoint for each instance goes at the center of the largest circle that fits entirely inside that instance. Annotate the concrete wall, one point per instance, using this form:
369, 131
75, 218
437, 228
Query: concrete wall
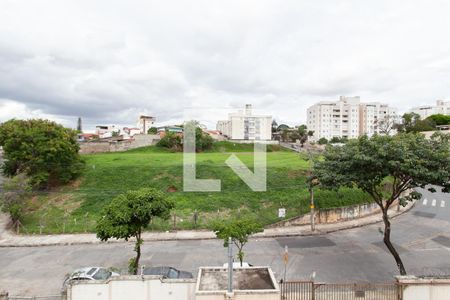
139, 140
334, 215
134, 287
269, 142
240, 295
415, 288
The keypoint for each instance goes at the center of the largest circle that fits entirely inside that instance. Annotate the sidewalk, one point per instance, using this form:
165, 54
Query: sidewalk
9, 239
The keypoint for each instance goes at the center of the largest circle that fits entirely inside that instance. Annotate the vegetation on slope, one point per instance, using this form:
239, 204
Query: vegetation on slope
74, 208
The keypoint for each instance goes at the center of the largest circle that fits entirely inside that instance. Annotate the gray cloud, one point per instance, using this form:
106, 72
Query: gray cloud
109, 61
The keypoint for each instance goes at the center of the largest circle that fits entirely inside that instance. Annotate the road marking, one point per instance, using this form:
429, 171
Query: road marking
442, 203
433, 203
425, 201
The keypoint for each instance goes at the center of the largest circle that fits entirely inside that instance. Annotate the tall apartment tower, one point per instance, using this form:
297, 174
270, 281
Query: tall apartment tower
348, 118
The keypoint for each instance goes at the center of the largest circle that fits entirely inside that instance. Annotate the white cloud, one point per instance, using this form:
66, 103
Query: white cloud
107, 61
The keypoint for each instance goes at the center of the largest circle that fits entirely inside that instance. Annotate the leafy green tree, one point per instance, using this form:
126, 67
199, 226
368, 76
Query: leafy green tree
411, 122
294, 135
274, 126
16, 191
439, 119
304, 134
203, 141
128, 214
322, 141
282, 127
336, 139
284, 135
239, 230
386, 167
152, 130
44, 151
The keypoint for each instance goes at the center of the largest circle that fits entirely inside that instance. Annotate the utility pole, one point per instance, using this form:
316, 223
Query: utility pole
311, 192
230, 266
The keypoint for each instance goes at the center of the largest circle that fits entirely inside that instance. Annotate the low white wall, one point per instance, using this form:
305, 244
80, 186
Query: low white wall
134, 287
415, 288
240, 295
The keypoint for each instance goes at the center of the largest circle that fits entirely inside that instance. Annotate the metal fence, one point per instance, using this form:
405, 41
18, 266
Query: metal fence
297, 290
307, 290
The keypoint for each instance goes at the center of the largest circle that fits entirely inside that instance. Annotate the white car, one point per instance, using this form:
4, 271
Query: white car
237, 264
89, 273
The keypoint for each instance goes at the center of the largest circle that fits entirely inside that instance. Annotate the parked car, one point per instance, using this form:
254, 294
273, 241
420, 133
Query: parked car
89, 273
237, 264
167, 272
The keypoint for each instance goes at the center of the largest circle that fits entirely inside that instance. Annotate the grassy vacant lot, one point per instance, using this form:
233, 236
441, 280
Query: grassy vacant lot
75, 208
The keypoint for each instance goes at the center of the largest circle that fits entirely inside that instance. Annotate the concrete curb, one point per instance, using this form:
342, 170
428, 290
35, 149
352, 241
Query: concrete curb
12, 240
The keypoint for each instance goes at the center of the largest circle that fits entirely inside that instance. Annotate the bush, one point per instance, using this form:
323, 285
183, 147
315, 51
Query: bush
170, 141
12, 200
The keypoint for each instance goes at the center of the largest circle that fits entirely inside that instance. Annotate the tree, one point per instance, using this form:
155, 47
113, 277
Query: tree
411, 122
44, 151
274, 126
304, 134
239, 230
322, 141
439, 119
129, 214
79, 126
282, 127
386, 124
336, 139
294, 135
285, 135
385, 167
12, 200
152, 130
203, 141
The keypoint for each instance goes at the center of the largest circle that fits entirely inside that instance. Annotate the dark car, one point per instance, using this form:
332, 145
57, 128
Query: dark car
168, 272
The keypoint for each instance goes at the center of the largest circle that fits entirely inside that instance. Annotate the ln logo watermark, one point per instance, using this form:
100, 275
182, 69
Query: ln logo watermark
256, 180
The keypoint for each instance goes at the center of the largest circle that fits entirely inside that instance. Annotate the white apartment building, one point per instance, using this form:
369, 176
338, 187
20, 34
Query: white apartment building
347, 117
442, 107
244, 125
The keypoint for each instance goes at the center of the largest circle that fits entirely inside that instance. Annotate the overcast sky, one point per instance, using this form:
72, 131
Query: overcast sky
109, 61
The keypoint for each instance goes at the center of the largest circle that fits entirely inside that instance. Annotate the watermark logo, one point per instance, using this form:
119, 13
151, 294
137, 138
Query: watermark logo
256, 180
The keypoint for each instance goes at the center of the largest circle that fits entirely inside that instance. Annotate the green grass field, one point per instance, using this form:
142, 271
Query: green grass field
75, 208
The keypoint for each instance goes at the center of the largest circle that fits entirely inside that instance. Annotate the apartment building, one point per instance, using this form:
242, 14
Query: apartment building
347, 118
442, 107
244, 125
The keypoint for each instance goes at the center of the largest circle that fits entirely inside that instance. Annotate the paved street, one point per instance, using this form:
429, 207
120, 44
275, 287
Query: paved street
422, 236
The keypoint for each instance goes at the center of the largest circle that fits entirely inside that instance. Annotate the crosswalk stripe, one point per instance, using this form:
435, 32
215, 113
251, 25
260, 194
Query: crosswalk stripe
433, 203
425, 201
442, 203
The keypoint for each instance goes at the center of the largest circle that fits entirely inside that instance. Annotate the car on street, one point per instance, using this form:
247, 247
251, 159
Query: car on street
167, 272
87, 274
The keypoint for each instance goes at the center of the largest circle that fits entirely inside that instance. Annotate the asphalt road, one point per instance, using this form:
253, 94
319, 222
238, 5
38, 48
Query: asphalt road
422, 237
